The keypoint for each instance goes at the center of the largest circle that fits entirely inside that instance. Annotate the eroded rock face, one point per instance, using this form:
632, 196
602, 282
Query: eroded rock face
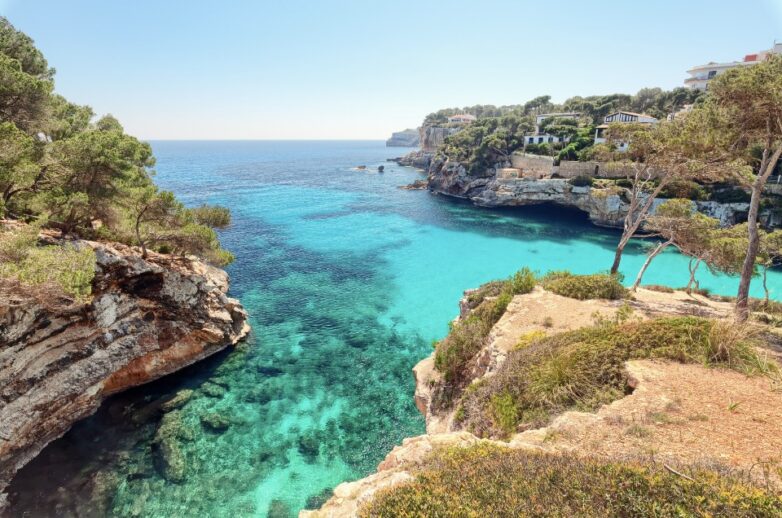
605, 208
148, 318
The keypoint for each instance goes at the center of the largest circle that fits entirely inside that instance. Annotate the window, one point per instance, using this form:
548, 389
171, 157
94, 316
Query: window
540, 140
712, 73
551, 139
531, 140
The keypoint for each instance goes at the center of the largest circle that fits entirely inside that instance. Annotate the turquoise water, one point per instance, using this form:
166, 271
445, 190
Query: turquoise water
347, 280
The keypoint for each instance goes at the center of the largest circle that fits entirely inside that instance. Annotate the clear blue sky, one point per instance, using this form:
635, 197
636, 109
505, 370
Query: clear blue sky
360, 69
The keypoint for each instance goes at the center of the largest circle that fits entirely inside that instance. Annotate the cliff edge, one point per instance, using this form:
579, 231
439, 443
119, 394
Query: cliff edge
146, 318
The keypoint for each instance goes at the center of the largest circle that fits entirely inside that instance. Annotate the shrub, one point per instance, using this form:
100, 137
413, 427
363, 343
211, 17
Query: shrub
584, 369
68, 268
487, 480
467, 336
684, 189
581, 181
582, 287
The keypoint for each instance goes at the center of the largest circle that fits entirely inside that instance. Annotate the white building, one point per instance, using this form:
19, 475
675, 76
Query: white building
544, 138
621, 116
701, 75
462, 118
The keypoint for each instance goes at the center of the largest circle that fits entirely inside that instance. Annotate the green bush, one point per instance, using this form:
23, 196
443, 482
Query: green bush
455, 351
581, 181
584, 369
487, 480
582, 287
684, 189
66, 267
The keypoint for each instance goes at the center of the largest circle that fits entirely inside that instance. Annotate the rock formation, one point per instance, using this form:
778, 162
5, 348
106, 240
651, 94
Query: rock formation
406, 138
147, 318
605, 207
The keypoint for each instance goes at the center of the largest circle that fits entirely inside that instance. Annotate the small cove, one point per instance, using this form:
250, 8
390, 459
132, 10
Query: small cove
347, 280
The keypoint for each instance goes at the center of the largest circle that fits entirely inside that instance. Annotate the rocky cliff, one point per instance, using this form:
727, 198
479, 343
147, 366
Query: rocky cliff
432, 137
406, 138
605, 207
146, 318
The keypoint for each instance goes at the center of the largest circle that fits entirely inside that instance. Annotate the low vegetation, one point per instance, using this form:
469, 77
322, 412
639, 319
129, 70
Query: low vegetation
468, 335
58, 270
582, 287
583, 369
488, 480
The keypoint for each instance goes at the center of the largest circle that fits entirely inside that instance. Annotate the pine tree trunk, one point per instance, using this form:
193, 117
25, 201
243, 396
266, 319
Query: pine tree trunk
618, 256
660, 247
748, 268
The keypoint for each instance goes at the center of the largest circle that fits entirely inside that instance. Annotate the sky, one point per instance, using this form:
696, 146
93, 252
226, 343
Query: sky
360, 69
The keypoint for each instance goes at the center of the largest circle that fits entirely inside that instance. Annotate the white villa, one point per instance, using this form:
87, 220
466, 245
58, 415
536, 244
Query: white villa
701, 75
621, 116
544, 138
462, 118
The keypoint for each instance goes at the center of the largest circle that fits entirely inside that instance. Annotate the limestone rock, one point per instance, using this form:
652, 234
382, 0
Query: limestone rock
147, 318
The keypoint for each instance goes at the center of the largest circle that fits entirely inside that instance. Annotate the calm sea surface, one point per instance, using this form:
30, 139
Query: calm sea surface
348, 280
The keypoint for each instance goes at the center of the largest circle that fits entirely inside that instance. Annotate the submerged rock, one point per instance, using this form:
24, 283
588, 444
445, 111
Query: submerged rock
215, 421
179, 400
213, 390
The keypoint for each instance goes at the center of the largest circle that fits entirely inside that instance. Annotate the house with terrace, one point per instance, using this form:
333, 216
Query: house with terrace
621, 117
540, 136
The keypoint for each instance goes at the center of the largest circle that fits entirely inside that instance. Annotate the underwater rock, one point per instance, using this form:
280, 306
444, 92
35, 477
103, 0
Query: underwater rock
171, 460
215, 421
261, 394
213, 390
309, 447
279, 509
179, 400
317, 500
269, 371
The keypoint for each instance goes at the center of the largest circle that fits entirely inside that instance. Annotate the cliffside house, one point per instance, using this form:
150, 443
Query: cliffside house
621, 117
701, 75
539, 137
462, 118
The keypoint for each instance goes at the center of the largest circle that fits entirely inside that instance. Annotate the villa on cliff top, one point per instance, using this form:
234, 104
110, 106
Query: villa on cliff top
462, 118
544, 138
702, 74
621, 117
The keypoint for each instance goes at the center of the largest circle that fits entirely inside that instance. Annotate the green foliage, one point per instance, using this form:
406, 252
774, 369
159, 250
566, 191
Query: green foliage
67, 268
584, 369
82, 176
212, 216
454, 353
487, 480
581, 181
686, 189
582, 287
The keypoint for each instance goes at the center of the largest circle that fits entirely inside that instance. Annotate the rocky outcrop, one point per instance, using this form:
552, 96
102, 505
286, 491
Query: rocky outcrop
605, 207
432, 137
406, 138
147, 318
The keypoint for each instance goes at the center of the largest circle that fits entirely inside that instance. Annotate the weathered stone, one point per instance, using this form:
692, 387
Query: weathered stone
147, 318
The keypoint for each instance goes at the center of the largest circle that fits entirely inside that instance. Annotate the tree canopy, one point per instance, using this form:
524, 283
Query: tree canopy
86, 177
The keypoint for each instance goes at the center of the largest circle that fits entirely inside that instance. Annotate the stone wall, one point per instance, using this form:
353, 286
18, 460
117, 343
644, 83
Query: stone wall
532, 166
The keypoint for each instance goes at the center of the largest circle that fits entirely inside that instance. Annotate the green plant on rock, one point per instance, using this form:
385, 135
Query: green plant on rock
584, 369
487, 480
582, 287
